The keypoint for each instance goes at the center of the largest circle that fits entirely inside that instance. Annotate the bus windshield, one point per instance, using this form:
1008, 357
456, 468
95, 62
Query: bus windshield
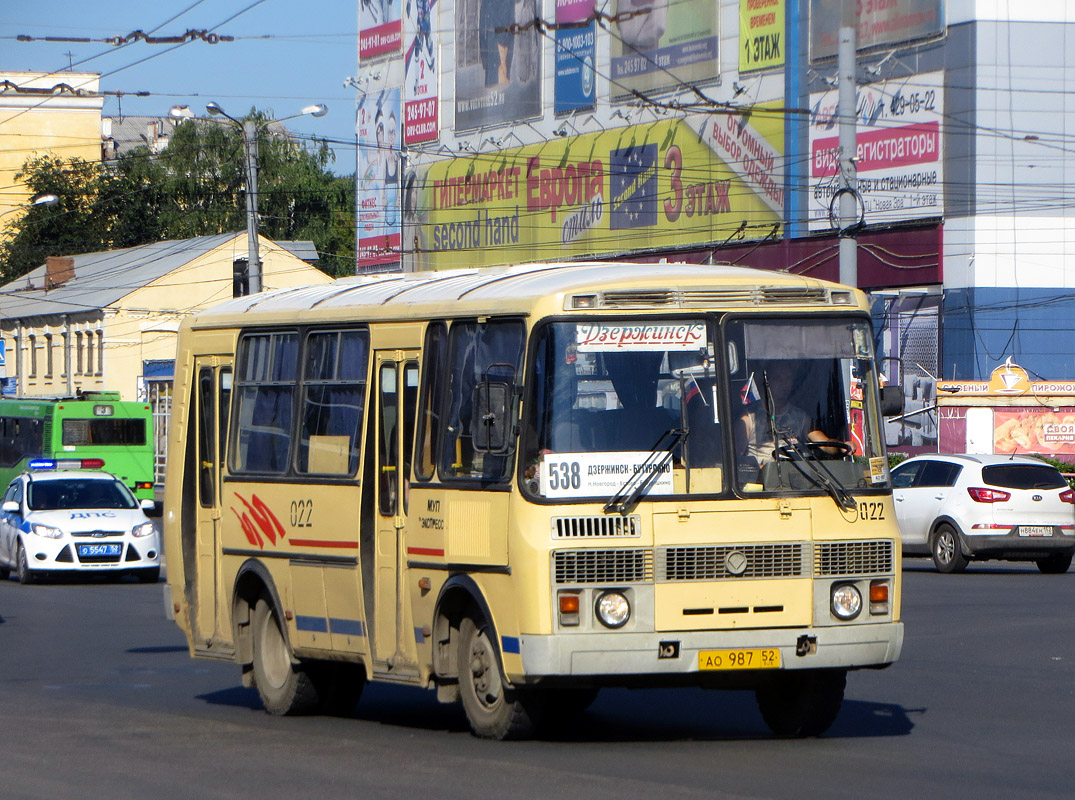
612, 399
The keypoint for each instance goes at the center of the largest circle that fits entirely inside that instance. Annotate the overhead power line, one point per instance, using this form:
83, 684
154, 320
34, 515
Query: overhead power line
116, 41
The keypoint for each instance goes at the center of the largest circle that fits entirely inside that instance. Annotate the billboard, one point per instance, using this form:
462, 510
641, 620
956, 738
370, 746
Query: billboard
899, 150
657, 45
671, 183
880, 23
497, 67
422, 105
761, 34
380, 28
575, 55
379, 179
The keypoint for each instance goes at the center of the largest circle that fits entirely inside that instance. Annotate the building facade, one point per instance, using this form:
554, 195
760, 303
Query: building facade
40, 113
494, 131
109, 321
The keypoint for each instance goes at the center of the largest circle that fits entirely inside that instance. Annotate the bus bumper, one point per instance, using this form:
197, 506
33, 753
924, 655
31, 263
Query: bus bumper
612, 653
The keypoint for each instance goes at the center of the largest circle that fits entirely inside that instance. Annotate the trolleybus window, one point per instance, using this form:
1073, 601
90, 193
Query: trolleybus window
481, 354
265, 386
103, 430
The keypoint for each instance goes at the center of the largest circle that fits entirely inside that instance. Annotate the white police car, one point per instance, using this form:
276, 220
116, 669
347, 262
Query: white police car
66, 521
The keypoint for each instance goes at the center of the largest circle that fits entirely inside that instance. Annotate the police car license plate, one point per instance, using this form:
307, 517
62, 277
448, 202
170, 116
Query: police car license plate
99, 550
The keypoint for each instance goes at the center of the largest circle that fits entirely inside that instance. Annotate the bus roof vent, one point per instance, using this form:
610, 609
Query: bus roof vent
795, 295
639, 298
753, 296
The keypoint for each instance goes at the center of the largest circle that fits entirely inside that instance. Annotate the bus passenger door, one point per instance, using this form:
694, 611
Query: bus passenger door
393, 640
213, 406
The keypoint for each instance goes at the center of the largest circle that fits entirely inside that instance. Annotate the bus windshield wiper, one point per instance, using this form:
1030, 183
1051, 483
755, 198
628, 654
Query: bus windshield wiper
815, 471
647, 473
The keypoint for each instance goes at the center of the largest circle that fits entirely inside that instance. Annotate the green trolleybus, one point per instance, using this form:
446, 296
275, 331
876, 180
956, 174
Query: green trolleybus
91, 428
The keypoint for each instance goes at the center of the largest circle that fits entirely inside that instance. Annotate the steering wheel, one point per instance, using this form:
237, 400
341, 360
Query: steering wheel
843, 450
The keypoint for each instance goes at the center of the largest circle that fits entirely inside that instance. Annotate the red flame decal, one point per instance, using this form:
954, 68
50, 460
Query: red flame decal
258, 521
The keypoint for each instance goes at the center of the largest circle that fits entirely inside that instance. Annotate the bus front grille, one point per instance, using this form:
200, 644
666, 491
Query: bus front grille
730, 562
853, 558
602, 566
596, 527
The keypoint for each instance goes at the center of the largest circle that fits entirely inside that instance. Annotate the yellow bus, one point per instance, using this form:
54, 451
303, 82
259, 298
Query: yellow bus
516, 486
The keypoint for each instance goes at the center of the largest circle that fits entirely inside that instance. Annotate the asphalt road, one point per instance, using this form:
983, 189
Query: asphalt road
98, 698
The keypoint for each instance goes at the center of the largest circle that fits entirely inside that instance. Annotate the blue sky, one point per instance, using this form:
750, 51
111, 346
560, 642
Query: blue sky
287, 55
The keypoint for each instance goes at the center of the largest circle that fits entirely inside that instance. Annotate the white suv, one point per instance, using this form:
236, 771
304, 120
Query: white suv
959, 508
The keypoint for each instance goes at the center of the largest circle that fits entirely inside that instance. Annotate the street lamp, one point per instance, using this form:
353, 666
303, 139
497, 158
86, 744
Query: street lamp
249, 129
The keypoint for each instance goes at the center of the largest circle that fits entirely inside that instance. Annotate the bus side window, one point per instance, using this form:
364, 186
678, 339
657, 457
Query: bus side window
265, 382
431, 400
477, 351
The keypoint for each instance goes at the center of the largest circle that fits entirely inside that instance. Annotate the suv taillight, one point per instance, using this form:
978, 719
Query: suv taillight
988, 495
1068, 496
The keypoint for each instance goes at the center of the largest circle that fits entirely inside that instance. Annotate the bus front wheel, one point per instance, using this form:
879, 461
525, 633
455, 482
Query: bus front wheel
284, 686
494, 710
802, 703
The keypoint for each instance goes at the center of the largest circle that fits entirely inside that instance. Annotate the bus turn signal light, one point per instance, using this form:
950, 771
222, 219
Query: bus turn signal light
569, 608
878, 597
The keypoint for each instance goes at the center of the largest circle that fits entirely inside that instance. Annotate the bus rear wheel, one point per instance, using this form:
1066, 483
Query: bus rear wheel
494, 710
802, 703
285, 687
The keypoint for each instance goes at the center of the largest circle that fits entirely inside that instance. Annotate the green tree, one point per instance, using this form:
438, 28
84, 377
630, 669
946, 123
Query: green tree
195, 187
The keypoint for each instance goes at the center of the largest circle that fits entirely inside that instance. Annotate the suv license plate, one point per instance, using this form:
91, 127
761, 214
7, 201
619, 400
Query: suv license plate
1035, 530
751, 658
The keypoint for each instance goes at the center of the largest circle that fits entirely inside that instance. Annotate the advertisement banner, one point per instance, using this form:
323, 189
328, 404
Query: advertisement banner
880, 22
497, 67
1047, 431
380, 28
574, 87
379, 141
761, 34
654, 50
421, 108
659, 185
899, 150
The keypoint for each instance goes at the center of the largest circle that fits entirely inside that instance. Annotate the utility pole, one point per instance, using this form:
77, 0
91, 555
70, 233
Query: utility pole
848, 145
253, 262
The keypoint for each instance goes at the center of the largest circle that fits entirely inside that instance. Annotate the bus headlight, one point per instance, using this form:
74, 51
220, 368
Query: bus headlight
846, 601
613, 609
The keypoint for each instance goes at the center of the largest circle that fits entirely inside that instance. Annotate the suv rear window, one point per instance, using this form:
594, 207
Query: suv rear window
1023, 476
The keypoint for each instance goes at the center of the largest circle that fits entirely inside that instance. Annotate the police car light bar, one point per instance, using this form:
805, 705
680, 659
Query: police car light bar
66, 463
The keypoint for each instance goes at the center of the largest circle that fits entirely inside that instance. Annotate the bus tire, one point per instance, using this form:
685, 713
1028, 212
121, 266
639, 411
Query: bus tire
802, 703
339, 686
284, 686
494, 710
26, 575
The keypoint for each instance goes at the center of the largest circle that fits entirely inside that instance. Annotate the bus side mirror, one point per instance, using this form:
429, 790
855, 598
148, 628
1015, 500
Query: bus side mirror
891, 401
491, 426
